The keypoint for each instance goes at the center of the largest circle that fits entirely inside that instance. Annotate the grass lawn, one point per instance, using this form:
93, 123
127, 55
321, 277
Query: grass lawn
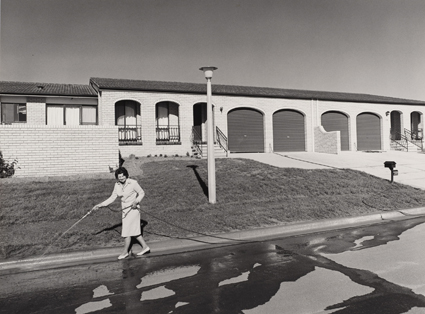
34, 214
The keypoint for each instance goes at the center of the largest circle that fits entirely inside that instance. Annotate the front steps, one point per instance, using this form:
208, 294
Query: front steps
218, 151
411, 148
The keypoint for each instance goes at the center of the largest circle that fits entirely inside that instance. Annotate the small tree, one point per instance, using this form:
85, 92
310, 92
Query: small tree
7, 169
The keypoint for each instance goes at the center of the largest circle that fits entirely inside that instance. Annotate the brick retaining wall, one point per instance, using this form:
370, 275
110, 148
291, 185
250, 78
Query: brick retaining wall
327, 142
59, 150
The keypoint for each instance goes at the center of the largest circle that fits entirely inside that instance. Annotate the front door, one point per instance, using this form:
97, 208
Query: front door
200, 122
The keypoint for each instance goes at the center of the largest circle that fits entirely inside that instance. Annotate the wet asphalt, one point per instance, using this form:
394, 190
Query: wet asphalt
295, 274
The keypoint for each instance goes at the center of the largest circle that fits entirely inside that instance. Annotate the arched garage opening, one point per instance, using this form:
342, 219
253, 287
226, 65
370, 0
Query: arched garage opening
245, 129
288, 131
368, 131
337, 121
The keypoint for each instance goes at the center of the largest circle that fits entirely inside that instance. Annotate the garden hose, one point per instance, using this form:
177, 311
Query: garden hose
177, 226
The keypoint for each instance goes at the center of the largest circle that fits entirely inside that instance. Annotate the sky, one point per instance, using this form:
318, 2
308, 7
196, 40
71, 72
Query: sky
356, 46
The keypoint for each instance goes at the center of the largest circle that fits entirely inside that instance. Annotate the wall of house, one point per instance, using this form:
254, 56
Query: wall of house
57, 151
352, 110
311, 109
223, 104
147, 103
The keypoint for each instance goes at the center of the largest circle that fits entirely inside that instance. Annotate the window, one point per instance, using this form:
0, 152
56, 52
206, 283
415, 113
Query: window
127, 117
167, 123
88, 115
71, 115
126, 113
13, 113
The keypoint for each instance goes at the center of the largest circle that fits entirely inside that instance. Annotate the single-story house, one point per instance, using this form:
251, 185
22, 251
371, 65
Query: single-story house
63, 129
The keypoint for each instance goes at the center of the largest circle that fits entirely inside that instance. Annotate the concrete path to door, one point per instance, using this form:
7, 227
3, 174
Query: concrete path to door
410, 166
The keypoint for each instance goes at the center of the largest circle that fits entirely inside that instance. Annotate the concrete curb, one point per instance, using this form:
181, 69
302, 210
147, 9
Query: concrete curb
197, 243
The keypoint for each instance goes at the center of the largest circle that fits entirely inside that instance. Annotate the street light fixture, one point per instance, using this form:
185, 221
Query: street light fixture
208, 71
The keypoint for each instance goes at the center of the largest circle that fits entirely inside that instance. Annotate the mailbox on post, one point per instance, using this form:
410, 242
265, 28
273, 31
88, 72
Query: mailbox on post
391, 166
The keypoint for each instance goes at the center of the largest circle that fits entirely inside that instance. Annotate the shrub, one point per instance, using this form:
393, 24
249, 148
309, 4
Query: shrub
7, 169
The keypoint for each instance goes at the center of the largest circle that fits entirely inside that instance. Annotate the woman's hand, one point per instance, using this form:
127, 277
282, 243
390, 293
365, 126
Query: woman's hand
134, 205
95, 207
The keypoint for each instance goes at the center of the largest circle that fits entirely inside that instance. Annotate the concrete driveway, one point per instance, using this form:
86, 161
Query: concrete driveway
410, 166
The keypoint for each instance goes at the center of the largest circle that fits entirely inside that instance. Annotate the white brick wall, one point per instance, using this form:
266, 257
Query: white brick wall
311, 109
61, 150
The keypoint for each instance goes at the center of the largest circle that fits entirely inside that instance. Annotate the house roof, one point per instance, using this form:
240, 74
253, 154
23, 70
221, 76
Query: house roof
46, 89
232, 90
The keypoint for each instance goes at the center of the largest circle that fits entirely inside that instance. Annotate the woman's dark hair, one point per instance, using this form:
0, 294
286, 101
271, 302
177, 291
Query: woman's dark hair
121, 170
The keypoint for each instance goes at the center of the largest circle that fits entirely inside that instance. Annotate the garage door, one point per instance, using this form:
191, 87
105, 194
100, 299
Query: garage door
368, 132
337, 121
245, 131
288, 131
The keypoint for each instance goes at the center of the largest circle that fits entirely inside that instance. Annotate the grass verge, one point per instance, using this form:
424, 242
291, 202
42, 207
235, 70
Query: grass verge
34, 214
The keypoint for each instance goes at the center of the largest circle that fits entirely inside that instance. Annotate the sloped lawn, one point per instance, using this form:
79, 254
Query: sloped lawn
34, 214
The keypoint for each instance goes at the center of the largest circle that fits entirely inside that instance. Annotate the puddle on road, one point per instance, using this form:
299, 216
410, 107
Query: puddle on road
359, 242
399, 262
93, 306
416, 310
157, 293
181, 304
328, 292
101, 291
168, 275
241, 278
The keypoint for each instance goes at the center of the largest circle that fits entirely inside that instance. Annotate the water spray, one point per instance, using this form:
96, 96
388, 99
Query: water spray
88, 213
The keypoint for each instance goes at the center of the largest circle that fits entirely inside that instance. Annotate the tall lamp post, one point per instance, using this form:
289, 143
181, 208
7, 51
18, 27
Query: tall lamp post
208, 71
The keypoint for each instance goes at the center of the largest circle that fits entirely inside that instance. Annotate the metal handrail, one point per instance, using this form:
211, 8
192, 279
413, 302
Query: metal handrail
404, 140
222, 140
130, 134
413, 135
168, 134
195, 139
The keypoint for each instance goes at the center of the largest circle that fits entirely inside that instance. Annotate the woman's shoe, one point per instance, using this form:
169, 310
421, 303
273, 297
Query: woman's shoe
144, 251
122, 256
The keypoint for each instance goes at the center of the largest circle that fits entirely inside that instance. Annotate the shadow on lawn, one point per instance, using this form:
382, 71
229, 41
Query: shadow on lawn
201, 182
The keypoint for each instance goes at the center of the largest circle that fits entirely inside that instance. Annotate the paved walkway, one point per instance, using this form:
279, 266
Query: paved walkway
410, 166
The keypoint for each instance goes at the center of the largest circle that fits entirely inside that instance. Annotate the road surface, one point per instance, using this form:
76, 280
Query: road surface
372, 269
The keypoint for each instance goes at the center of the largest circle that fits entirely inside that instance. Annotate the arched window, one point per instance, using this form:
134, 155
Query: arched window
127, 117
167, 123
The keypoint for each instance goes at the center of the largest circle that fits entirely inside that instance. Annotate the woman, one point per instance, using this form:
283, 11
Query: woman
131, 194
